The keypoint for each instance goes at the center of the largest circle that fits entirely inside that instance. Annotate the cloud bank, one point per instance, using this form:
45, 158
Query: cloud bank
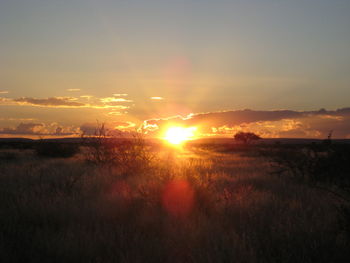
69, 102
268, 124
50, 102
40, 129
275, 123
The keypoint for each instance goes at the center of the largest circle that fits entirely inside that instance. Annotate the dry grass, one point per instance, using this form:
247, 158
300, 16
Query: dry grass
197, 206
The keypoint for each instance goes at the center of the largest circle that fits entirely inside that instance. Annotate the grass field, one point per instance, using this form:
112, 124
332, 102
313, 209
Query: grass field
197, 204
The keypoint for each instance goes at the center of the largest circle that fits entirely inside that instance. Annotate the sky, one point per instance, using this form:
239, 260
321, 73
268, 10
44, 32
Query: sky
66, 65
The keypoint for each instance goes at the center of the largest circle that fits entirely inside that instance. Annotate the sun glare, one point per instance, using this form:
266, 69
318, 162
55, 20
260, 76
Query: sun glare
178, 135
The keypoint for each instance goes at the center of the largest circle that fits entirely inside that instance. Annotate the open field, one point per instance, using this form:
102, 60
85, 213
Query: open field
195, 204
174, 131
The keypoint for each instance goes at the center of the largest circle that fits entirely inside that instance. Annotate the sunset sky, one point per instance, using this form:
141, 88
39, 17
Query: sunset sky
266, 66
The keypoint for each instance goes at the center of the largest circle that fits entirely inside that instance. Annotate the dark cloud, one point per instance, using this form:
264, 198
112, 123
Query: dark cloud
224, 118
24, 128
50, 102
91, 129
39, 129
70, 102
275, 123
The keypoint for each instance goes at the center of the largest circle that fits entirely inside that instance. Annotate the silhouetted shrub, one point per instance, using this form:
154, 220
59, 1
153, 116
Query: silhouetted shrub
56, 149
314, 164
130, 154
246, 137
325, 163
323, 166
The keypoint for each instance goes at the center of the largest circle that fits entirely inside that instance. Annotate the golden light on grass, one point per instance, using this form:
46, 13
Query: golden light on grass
178, 135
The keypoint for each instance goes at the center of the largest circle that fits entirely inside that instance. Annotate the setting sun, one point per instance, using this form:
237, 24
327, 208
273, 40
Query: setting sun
177, 135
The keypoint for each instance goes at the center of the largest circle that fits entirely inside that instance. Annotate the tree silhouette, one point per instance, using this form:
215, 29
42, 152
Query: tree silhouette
246, 137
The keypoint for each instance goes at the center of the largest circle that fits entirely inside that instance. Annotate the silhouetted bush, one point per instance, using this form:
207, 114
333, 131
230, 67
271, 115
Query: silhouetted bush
246, 137
129, 154
56, 149
323, 166
314, 164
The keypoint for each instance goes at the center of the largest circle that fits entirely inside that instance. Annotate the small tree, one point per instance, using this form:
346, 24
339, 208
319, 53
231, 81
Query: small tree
131, 153
246, 137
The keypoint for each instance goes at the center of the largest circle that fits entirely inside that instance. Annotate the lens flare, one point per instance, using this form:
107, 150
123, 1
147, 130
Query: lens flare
177, 135
178, 198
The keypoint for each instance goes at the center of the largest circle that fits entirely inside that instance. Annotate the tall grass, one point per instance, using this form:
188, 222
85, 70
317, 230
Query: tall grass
210, 207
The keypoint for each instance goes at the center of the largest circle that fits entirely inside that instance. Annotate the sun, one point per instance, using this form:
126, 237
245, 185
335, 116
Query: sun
178, 135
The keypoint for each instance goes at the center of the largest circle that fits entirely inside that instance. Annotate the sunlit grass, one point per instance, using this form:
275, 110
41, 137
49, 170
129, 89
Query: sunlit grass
209, 207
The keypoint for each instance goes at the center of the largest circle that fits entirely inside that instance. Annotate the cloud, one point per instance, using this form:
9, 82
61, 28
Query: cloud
89, 128
24, 128
108, 106
111, 100
5, 101
17, 119
124, 125
40, 129
157, 98
88, 97
115, 113
229, 118
85, 101
73, 90
118, 129
64, 102
120, 95
4, 92
274, 123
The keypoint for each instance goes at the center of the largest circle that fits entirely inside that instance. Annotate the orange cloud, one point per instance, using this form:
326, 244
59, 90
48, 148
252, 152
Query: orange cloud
86, 97
69, 102
73, 90
17, 119
106, 106
113, 100
275, 123
65, 102
124, 125
115, 113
